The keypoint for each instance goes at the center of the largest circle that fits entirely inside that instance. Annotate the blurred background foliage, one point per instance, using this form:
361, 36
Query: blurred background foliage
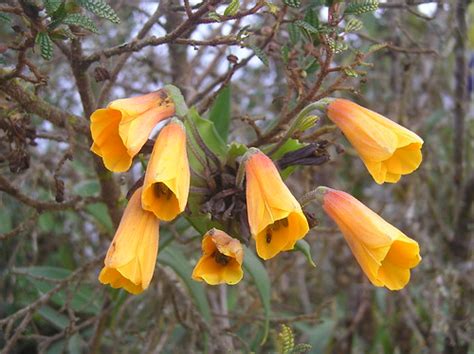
53, 242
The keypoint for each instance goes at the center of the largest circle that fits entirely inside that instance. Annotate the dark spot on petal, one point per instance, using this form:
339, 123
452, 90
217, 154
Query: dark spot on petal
268, 235
220, 258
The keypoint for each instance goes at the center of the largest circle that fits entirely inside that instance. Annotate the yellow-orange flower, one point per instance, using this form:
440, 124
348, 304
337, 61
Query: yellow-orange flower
387, 149
120, 130
221, 261
275, 216
167, 178
384, 253
130, 260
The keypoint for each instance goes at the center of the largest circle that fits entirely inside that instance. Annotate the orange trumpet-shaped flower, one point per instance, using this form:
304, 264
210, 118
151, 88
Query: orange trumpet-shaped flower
120, 130
387, 149
167, 177
221, 261
384, 253
130, 260
275, 216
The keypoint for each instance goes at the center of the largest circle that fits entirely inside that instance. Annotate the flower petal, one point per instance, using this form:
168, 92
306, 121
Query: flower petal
384, 253
167, 179
135, 245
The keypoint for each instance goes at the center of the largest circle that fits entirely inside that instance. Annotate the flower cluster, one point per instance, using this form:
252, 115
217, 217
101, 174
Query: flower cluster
119, 132
276, 219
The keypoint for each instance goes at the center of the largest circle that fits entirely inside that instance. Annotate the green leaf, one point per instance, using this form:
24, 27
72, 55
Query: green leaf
302, 348
305, 248
286, 340
5, 18
350, 72
75, 344
353, 25
214, 16
172, 257
62, 33
87, 188
292, 3
305, 25
100, 212
294, 33
357, 7
45, 44
81, 21
209, 135
101, 9
311, 17
83, 299
51, 6
337, 46
255, 268
232, 9
319, 335
260, 54
54, 317
376, 47
272, 8
235, 150
221, 112
178, 100
312, 67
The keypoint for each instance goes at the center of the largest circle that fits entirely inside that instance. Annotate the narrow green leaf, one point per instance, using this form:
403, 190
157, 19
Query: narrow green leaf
101, 9
255, 268
221, 112
178, 100
45, 44
232, 9
208, 133
172, 257
81, 21
304, 247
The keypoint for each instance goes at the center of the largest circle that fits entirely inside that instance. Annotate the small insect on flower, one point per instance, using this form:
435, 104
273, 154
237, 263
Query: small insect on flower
384, 253
387, 149
130, 260
120, 130
275, 216
167, 177
221, 261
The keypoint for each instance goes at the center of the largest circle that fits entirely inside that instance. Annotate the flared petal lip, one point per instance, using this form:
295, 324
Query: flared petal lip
225, 244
